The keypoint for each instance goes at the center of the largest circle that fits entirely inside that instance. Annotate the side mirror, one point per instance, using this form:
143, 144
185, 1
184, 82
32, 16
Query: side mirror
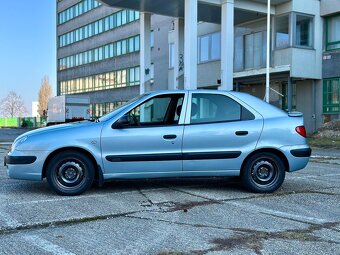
121, 123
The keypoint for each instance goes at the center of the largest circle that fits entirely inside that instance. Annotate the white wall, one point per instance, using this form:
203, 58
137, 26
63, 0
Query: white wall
329, 7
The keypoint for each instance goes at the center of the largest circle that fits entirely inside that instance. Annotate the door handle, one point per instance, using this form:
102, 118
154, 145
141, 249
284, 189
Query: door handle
241, 133
169, 137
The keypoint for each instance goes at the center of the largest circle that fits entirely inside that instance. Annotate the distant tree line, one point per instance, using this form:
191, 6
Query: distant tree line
13, 105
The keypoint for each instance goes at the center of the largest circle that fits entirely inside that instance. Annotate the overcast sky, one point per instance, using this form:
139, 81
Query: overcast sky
27, 47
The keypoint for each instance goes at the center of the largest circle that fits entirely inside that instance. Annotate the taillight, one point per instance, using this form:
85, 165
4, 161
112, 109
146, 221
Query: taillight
301, 131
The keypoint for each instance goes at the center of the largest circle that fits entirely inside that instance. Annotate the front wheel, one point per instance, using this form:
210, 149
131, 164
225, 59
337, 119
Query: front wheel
70, 173
263, 173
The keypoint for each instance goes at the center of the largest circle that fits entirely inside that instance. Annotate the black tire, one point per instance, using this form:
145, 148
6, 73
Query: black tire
70, 173
263, 173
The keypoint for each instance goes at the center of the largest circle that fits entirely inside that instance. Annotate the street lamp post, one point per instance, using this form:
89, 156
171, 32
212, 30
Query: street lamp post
268, 54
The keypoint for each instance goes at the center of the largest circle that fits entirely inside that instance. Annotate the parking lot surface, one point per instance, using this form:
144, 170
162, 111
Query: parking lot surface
176, 216
7, 135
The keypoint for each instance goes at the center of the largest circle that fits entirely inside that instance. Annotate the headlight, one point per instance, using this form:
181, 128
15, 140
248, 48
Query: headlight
17, 143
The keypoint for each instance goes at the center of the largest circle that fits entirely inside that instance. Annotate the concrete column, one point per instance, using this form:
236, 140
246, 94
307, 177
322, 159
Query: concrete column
190, 44
227, 45
178, 52
145, 50
314, 106
290, 94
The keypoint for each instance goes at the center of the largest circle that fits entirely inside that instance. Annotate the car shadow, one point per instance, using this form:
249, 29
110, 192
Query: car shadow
231, 183
41, 188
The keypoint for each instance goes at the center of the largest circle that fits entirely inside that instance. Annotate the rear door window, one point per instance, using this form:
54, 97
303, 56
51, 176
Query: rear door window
210, 108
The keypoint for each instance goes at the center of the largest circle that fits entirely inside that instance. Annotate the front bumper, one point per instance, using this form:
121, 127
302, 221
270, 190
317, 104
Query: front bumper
25, 165
19, 160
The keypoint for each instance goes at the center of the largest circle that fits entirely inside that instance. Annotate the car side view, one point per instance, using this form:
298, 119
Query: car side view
199, 133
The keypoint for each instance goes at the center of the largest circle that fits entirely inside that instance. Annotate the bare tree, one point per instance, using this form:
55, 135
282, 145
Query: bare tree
12, 106
45, 94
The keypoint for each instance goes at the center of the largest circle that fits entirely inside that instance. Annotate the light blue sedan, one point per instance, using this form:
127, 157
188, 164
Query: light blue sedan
167, 134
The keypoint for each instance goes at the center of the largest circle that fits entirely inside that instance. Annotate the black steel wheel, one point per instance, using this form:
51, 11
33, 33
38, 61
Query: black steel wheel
263, 173
70, 173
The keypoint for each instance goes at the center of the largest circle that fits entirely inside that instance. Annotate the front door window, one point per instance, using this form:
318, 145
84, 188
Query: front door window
158, 111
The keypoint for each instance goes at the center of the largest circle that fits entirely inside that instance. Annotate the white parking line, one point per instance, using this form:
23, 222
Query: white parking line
56, 200
331, 175
46, 245
77, 197
260, 209
6, 143
310, 178
316, 177
324, 157
80, 197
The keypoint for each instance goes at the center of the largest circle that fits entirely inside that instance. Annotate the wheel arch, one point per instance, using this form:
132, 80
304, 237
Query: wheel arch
277, 152
98, 171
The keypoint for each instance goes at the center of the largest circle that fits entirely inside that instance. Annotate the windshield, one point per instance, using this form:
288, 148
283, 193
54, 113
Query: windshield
120, 108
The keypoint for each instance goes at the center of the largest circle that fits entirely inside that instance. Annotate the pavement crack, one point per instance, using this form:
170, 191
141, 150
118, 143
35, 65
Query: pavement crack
305, 192
189, 193
146, 197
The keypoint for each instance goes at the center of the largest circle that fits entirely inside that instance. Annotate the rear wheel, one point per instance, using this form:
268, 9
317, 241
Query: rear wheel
70, 173
263, 173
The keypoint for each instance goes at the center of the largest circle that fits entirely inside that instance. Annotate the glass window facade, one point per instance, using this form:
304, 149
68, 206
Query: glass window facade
76, 10
255, 50
115, 49
100, 109
304, 25
115, 79
250, 45
282, 34
284, 99
331, 96
215, 52
98, 27
333, 32
209, 47
300, 34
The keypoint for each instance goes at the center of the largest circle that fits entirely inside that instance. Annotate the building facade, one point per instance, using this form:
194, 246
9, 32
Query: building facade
98, 52
114, 50
330, 11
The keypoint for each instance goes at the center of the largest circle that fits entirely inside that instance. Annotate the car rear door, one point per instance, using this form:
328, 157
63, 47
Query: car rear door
219, 132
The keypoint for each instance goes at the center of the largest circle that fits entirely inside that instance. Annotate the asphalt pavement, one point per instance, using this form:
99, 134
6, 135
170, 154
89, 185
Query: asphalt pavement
176, 216
7, 135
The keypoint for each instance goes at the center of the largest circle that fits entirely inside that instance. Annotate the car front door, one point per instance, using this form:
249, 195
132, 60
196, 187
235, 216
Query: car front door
218, 134
146, 140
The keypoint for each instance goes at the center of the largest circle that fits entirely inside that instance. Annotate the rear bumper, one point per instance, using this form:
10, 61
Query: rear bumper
297, 156
301, 153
